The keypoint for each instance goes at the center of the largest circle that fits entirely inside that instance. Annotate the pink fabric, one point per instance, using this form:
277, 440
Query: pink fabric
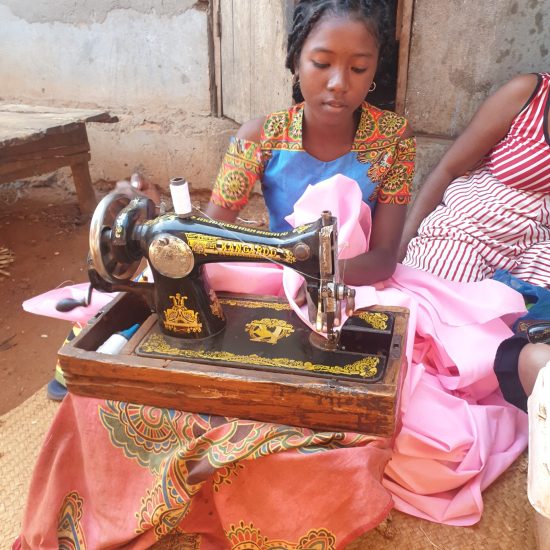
44, 304
458, 433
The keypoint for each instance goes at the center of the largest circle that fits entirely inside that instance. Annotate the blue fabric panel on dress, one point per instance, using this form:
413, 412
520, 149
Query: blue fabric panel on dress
288, 173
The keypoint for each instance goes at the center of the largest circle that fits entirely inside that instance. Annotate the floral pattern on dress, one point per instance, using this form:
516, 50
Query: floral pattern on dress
184, 450
377, 142
247, 537
395, 188
241, 168
70, 534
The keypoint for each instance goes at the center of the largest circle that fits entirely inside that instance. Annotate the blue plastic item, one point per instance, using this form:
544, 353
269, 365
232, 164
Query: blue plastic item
537, 298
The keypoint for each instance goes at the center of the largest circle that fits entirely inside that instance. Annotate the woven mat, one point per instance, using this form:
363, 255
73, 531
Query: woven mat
22, 431
507, 521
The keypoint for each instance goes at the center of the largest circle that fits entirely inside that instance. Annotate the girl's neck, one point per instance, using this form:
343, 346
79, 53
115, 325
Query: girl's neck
328, 142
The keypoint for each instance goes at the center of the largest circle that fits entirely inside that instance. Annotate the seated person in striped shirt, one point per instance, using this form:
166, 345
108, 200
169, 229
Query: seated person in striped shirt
486, 205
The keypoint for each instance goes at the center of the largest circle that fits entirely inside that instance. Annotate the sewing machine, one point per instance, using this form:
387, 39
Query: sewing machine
256, 341
178, 248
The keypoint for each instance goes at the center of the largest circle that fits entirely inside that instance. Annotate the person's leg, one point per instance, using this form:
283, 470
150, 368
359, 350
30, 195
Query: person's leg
517, 366
532, 358
507, 367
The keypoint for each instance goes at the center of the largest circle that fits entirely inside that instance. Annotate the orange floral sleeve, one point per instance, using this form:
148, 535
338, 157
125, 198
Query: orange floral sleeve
396, 185
241, 168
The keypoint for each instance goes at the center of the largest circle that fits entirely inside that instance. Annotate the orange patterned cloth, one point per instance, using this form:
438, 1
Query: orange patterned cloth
114, 474
380, 160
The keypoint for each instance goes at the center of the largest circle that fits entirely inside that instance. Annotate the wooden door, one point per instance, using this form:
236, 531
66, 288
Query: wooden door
252, 51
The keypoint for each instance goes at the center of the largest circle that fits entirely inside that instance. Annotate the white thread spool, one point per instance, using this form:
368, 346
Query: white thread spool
179, 189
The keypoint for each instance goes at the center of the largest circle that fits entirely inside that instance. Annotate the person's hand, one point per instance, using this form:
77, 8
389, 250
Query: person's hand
138, 186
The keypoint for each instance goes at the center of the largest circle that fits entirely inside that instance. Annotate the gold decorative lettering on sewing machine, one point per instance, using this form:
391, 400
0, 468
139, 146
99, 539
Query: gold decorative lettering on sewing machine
245, 330
215, 306
205, 245
365, 368
376, 319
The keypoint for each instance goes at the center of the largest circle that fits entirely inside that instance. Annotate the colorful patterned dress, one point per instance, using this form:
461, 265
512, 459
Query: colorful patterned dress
498, 215
381, 161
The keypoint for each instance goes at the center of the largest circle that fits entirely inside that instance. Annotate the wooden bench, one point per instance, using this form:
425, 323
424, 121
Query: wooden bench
38, 140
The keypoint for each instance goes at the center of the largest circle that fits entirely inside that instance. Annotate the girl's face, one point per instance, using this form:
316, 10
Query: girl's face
336, 67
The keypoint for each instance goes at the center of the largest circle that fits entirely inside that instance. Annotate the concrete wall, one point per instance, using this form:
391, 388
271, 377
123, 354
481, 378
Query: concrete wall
149, 63
461, 52
145, 61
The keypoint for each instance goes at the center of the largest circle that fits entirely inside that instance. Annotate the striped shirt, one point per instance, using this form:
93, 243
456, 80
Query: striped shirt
522, 158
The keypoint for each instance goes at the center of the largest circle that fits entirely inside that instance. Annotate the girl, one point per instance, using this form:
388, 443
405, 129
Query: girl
155, 472
334, 50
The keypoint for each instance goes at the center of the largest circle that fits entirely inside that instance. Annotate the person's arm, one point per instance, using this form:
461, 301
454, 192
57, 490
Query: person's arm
250, 131
380, 261
387, 225
489, 125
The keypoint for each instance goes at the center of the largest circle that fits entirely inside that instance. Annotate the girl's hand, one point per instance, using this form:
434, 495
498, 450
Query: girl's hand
138, 186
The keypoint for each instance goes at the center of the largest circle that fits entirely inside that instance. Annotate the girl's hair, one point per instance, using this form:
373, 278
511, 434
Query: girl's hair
375, 13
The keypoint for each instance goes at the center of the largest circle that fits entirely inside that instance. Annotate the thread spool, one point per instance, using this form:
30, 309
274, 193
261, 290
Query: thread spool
181, 199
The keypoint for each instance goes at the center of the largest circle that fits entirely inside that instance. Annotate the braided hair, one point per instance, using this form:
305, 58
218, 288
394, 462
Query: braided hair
375, 13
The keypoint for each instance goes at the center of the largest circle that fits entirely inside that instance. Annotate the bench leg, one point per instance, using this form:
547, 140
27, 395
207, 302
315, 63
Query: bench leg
84, 189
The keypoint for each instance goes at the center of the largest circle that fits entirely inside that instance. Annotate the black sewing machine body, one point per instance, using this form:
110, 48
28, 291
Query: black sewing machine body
194, 323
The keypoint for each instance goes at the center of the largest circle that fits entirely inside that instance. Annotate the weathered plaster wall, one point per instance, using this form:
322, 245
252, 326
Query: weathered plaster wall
148, 62
145, 61
461, 52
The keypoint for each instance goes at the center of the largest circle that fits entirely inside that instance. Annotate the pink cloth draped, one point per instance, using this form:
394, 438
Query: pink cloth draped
458, 433
196, 475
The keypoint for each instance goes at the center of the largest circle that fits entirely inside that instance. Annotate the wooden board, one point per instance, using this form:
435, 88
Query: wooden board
292, 399
24, 123
37, 140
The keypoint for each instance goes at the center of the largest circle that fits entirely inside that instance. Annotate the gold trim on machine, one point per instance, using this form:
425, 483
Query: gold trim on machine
268, 331
180, 318
279, 306
215, 306
366, 367
376, 320
206, 244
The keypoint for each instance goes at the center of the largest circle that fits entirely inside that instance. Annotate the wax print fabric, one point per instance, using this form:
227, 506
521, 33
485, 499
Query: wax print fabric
380, 160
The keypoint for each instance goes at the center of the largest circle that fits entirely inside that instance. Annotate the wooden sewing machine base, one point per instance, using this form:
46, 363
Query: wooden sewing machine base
264, 366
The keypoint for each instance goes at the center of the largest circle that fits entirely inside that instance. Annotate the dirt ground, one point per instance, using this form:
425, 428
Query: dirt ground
41, 228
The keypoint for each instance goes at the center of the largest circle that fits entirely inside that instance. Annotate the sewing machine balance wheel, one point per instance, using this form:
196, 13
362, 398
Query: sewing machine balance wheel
111, 262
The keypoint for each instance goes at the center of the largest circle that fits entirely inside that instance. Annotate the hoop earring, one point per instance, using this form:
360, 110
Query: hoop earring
372, 87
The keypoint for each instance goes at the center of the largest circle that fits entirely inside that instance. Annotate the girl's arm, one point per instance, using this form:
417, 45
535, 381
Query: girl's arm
249, 131
380, 261
387, 226
489, 125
